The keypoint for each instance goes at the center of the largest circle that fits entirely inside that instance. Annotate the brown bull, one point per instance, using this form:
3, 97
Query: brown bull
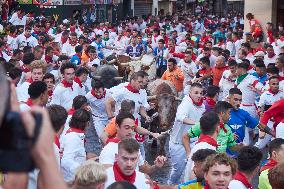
163, 94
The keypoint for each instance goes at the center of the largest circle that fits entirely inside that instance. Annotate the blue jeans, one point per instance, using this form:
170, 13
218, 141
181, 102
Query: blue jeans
178, 162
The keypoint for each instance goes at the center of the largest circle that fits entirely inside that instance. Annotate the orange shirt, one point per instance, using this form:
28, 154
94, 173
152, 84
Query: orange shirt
84, 58
217, 74
171, 76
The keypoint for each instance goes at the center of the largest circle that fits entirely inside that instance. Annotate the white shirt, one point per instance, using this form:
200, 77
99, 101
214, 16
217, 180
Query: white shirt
190, 163
185, 110
107, 155
98, 106
16, 21
268, 60
236, 184
249, 96
140, 180
267, 98
212, 59
63, 96
11, 41
68, 49
22, 92
73, 154
124, 94
22, 41
187, 68
225, 84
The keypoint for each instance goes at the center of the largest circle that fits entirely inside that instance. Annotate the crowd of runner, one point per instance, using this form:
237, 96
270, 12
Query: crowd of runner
230, 83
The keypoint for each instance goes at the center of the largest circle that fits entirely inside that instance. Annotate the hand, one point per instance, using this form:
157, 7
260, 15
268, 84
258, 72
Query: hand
155, 135
236, 136
160, 161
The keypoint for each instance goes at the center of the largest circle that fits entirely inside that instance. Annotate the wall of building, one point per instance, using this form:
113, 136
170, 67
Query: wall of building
263, 10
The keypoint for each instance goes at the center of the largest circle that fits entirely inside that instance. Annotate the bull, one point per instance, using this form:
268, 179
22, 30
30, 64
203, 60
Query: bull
108, 75
164, 95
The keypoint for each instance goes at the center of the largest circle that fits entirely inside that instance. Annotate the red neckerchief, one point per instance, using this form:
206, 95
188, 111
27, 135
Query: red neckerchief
208, 139
271, 56
196, 103
131, 89
270, 36
72, 29
29, 102
273, 93
269, 165
63, 40
50, 92
48, 59
74, 130
77, 80
30, 80
210, 101
72, 44
71, 111
282, 38
119, 176
172, 50
114, 140
66, 84
25, 69
242, 178
222, 126
56, 141
98, 97
13, 35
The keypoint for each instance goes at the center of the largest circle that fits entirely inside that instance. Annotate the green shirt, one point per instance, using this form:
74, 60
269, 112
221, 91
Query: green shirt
263, 182
224, 139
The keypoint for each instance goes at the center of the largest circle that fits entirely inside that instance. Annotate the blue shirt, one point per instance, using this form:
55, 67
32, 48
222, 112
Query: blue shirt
161, 61
75, 60
261, 79
191, 184
134, 51
239, 120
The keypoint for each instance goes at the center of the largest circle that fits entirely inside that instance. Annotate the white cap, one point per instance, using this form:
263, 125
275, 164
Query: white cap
259, 53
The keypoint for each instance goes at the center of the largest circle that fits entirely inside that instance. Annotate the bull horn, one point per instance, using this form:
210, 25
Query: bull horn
178, 99
118, 78
97, 77
124, 64
151, 97
112, 61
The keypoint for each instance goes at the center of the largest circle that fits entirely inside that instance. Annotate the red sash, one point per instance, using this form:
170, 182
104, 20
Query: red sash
131, 89
74, 130
71, 111
242, 178
269, 165
66, 84
114, 140
196, 103
29, 102
77, 80
207, 139
119, 176
56, 141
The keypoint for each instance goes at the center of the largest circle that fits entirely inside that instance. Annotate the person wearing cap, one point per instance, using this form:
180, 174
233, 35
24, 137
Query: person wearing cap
259, 55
